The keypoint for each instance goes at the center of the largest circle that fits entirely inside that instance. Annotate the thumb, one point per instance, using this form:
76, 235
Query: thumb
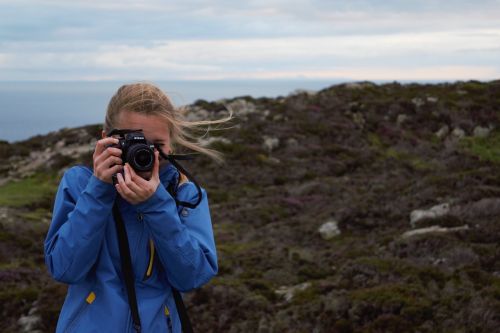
156, 167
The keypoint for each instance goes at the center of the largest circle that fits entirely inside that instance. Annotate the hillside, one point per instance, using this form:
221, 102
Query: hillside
358, 208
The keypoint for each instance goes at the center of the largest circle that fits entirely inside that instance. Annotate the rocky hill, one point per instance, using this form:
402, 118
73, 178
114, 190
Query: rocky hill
358, 208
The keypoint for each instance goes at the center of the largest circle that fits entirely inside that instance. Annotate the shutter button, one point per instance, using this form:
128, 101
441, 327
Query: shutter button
140, 217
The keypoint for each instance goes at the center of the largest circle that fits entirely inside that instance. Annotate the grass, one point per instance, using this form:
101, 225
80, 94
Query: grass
36, 215
28, 191
406, 158
486, 149
407, 299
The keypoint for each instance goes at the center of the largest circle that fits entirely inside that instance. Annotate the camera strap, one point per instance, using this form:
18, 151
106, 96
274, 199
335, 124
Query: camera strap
126, 263
173, 159
128, 272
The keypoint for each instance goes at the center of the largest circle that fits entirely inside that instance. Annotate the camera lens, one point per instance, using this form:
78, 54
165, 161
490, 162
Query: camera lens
141, 158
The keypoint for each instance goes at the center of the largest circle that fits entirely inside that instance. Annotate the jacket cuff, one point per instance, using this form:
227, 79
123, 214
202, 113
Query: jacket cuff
156, 201
101, 191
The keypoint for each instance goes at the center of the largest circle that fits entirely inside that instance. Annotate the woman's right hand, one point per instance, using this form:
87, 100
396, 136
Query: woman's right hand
107, 160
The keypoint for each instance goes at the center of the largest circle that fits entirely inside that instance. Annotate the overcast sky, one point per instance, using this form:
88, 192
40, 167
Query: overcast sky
255, 39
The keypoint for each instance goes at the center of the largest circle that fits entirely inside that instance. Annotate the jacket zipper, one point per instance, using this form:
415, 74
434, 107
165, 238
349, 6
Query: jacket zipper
149, 269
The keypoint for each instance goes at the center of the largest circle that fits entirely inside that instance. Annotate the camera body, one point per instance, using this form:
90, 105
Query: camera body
138, 152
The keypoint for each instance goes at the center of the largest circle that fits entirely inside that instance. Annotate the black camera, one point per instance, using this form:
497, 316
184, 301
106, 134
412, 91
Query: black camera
136, 150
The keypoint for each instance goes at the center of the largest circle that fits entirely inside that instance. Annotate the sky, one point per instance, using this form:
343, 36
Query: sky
425, 40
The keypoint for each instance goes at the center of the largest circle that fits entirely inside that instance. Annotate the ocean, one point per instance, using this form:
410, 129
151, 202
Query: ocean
32, 108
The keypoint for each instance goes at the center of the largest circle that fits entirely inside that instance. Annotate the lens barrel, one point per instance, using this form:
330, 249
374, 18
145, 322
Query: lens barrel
141, 157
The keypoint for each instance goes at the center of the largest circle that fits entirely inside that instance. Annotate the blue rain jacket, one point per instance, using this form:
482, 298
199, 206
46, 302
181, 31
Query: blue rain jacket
169, 246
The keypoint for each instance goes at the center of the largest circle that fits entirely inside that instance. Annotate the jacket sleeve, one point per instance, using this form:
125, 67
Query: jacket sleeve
77, 229
184, 242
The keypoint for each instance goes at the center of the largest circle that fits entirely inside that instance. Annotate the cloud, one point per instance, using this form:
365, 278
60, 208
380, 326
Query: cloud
315, 57
112, 20
156, 39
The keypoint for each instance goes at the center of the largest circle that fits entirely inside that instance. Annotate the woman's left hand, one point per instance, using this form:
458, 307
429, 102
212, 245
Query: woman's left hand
135, 189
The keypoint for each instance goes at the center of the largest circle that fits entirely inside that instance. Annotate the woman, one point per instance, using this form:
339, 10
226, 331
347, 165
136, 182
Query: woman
171, 245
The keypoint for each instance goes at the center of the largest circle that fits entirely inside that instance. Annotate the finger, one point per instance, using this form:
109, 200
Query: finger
110, 151
128, 193
103, 143
110, 161
130, 179
141, 182
111, 171
119, 189
98, 160
156, 166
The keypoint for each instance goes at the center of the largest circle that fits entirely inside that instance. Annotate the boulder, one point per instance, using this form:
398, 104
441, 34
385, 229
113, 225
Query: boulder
481, 132
270, 143
401, 119
432, 213
443, 132
458, 132
433, 229
289, 292
329, 230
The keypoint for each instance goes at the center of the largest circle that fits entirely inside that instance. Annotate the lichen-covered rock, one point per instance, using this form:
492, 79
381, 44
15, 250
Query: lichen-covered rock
443, 132
481, 132
458, 133
432, 213
433, 229
329, 230
270, 143
289, 292
242, 107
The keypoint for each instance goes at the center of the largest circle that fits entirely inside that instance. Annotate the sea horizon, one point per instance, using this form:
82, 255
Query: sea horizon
30, 108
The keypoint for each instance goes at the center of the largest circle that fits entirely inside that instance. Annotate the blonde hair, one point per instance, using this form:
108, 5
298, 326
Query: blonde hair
147, 99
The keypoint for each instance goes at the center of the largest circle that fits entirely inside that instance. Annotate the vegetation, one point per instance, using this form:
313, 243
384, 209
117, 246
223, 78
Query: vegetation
361, 154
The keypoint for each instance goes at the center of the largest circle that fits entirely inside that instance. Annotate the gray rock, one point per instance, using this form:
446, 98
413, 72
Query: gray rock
29, 323
60, 144
458, 132
432, 229
481, 132
329, 230
432, 213
432, 99
289, 292
358, 119
273, 160
241, 107
265, 114
417, 101
278, 117
270, 143
401, 119
443, 132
